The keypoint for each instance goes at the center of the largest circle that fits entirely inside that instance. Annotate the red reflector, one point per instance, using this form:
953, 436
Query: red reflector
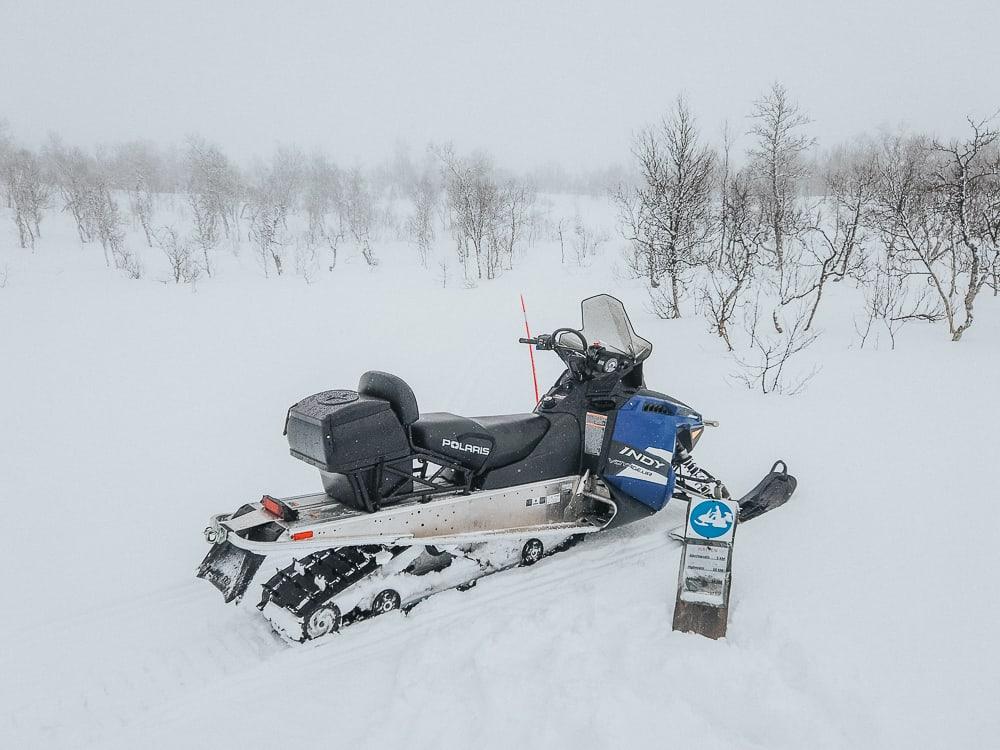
278, 508
300, 535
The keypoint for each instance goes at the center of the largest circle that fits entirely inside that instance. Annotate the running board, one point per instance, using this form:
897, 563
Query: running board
539, 509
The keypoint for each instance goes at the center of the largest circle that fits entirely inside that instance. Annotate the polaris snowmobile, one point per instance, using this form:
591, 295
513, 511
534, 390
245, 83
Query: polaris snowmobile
414, 503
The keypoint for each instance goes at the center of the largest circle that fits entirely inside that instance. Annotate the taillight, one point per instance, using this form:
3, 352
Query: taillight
278, 508
300, 535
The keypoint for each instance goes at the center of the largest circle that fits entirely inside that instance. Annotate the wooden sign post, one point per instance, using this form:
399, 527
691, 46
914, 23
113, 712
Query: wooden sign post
702, 604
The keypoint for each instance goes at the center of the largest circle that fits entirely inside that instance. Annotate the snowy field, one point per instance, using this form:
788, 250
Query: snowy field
863, 614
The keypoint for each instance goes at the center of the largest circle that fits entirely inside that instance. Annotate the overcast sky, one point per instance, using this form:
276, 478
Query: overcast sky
532, 82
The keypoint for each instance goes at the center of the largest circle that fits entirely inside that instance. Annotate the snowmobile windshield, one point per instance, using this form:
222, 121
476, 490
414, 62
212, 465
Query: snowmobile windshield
605, 321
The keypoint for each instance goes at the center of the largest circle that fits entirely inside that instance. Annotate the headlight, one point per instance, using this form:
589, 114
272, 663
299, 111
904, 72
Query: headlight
696, 434
610, 365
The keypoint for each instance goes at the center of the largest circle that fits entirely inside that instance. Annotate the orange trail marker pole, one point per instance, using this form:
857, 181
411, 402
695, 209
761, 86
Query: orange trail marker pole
531, 351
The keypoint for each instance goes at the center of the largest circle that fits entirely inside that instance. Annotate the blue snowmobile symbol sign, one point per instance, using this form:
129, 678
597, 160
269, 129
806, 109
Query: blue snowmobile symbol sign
712, 519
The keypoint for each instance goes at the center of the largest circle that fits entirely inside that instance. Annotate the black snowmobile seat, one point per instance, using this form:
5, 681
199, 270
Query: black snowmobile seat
480, 442
394, 390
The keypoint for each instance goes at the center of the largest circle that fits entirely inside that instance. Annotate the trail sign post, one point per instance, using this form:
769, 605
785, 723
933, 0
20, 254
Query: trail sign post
702, 604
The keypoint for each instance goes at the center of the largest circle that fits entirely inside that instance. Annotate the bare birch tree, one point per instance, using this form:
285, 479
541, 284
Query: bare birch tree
425, 193
731, 275
357, 207
272, 197
836, 235
28, 193
515, 201
74, 174
473, 200
668, 218
967, 174
937, 210
778, 164
6, 148
215, 182
137, 168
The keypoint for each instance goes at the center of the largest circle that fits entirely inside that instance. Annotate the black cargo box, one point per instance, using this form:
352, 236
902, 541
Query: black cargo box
341, 431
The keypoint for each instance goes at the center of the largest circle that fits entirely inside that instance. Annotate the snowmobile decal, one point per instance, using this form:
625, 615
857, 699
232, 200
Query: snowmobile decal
641, 457
481, 450
594, 433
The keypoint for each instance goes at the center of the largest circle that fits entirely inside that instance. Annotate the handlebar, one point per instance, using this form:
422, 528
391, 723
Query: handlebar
584, 362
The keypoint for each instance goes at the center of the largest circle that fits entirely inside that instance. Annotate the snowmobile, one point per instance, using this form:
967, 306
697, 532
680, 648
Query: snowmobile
414, 504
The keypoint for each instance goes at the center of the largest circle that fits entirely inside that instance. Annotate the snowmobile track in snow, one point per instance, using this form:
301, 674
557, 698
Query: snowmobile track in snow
240, 649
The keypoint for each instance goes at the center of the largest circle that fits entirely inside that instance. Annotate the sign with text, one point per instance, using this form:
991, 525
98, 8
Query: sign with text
702, 603
704, 574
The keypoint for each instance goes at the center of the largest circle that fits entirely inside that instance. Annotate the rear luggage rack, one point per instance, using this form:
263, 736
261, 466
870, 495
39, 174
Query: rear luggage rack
373, 486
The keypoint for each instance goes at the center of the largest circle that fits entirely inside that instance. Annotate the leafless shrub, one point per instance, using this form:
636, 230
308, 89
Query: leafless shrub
539, 225
180, 255
893, 300
766, 365
584, 241
128, 263
560, 229
358, 211
307, 258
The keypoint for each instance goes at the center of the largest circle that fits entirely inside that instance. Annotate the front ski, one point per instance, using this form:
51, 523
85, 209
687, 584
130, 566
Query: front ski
771, 492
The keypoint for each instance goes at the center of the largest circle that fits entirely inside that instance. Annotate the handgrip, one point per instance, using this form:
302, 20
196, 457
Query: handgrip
527, 341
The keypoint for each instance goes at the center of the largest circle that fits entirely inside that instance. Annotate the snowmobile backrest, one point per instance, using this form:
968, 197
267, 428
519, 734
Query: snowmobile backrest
394, 390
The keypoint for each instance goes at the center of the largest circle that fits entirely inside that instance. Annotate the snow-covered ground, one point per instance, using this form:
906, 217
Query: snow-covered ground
863, 612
